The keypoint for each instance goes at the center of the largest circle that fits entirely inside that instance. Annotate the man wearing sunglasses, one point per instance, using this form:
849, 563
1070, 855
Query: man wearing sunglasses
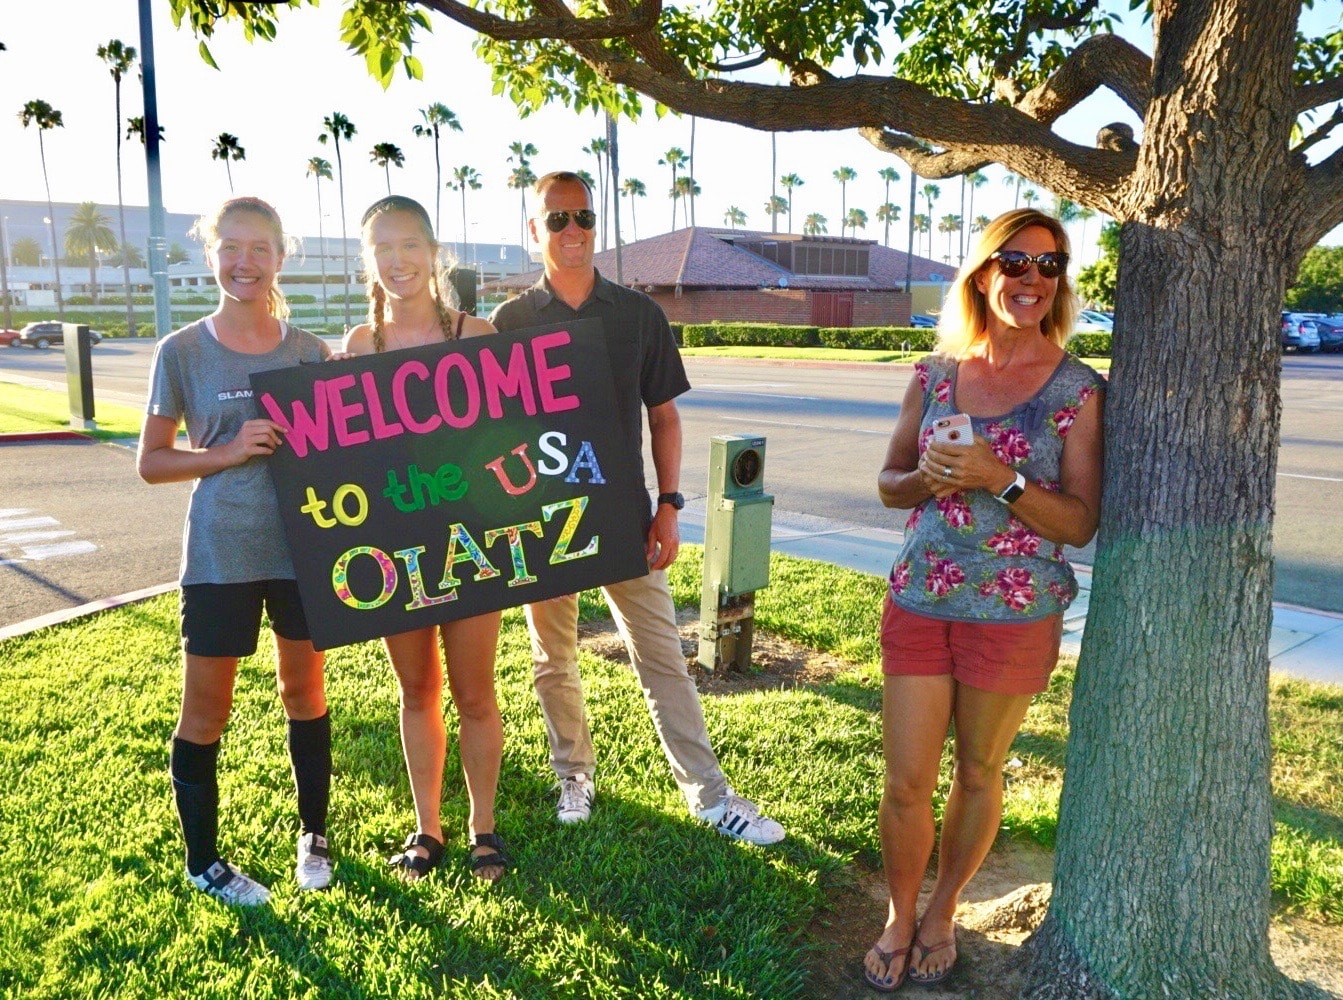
648, 375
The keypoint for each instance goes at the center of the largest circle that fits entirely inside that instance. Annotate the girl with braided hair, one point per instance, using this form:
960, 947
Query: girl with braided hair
408, 308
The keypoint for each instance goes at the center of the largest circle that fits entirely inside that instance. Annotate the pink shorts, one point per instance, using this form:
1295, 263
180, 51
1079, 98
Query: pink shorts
1002, 657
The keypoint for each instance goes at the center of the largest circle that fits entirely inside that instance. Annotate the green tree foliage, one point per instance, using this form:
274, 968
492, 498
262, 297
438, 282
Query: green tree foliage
1096, 283
229, 149
1319, 282
177, 254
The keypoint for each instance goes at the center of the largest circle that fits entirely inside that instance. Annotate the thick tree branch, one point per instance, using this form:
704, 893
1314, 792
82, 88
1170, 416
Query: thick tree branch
563, 28
1321, 133
1100, 61
1319, 200
1312, 95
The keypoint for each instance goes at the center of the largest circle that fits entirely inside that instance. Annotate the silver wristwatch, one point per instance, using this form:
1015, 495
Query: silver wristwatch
1014, 490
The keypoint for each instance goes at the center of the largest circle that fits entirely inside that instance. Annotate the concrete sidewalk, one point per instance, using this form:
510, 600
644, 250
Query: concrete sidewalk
1303, 643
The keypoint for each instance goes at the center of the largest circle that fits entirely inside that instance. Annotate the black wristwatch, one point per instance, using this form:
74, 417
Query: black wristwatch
675, 499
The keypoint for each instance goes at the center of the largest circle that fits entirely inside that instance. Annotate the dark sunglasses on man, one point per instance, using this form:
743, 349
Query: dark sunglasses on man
1015, 263
586, 218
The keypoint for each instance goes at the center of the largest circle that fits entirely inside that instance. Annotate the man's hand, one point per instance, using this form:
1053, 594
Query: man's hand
664, 538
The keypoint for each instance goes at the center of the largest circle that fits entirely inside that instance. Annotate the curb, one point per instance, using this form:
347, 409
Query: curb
69, 614
18, 437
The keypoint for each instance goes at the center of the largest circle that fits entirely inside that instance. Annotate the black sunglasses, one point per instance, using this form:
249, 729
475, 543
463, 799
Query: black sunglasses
586, 218
1015, 263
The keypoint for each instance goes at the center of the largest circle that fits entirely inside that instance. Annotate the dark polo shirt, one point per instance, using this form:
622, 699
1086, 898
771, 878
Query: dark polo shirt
645, 363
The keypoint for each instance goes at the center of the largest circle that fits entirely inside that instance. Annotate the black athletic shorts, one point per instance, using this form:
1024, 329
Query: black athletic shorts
223, 619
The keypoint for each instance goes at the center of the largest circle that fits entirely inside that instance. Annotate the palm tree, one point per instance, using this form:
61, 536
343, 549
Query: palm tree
387, 155
888, 213
674, 157
45, 117
522, 177
26, 252
338, 128
119, 58
135, 129
980, 223
813, 224
974, 179
599, 147
773, 173
844, 175
634, 188
128, 255
1014, 181
436, 118
775, 207
949, 224
922, 224
687, 187
227, 148
790, 181
86, 233
856, 220
320, 169
734, 217
1030, 196
463, 178
930, 192
690, 169
890, 176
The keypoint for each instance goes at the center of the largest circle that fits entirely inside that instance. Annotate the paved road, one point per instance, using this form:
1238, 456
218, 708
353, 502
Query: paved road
78, 525
827, 427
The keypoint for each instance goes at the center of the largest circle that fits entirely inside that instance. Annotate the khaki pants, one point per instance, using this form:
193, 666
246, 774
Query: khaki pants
646, 617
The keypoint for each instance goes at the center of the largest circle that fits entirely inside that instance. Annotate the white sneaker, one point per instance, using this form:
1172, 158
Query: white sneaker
740, 819
313, 870
575, 804
224, 882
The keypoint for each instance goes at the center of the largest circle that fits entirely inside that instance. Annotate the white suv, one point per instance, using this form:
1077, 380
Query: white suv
1299, 331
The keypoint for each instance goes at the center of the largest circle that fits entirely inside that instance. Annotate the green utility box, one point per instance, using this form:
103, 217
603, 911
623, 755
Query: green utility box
736, 548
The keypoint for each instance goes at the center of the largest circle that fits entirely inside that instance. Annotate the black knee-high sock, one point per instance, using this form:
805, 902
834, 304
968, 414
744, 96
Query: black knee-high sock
194, 768
310, 755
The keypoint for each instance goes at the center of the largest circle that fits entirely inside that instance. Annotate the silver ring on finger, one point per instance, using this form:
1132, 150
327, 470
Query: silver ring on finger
946, 472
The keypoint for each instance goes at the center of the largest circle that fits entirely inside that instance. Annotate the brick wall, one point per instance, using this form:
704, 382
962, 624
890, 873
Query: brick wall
790, 306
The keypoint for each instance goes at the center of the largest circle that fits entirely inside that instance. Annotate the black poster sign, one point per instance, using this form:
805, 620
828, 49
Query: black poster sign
431, 484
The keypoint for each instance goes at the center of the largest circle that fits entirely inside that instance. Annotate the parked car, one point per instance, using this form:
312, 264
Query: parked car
1331, 333
41, 334
920, 320
1094, 321
10, 338
1300, 331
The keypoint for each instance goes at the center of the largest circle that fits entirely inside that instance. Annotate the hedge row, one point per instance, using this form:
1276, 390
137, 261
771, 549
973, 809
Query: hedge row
872, 338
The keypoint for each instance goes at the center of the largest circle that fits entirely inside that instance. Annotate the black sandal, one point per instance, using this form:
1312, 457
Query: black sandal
496, 858
412, 867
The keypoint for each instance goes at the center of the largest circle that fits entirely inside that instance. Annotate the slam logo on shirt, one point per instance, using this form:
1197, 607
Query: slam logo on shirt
228, 394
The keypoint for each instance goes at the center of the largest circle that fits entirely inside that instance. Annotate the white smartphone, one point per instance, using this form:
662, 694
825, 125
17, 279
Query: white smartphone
954, 429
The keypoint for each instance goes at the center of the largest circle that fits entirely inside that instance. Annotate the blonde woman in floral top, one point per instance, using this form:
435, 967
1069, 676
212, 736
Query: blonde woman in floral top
974, 613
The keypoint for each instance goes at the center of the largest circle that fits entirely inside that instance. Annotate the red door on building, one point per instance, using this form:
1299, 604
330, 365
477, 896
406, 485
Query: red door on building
832, 308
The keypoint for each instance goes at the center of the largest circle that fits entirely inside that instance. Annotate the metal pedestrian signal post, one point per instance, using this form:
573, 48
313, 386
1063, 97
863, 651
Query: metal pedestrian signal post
736, 549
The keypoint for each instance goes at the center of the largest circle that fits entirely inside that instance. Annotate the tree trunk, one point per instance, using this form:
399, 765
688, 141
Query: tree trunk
121, 219
1168, 839
1162, 870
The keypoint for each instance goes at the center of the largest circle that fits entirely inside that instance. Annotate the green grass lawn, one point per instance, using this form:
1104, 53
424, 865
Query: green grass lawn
28, 409
639, 902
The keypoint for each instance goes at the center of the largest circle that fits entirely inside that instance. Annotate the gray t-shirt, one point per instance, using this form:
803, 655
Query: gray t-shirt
233, 532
